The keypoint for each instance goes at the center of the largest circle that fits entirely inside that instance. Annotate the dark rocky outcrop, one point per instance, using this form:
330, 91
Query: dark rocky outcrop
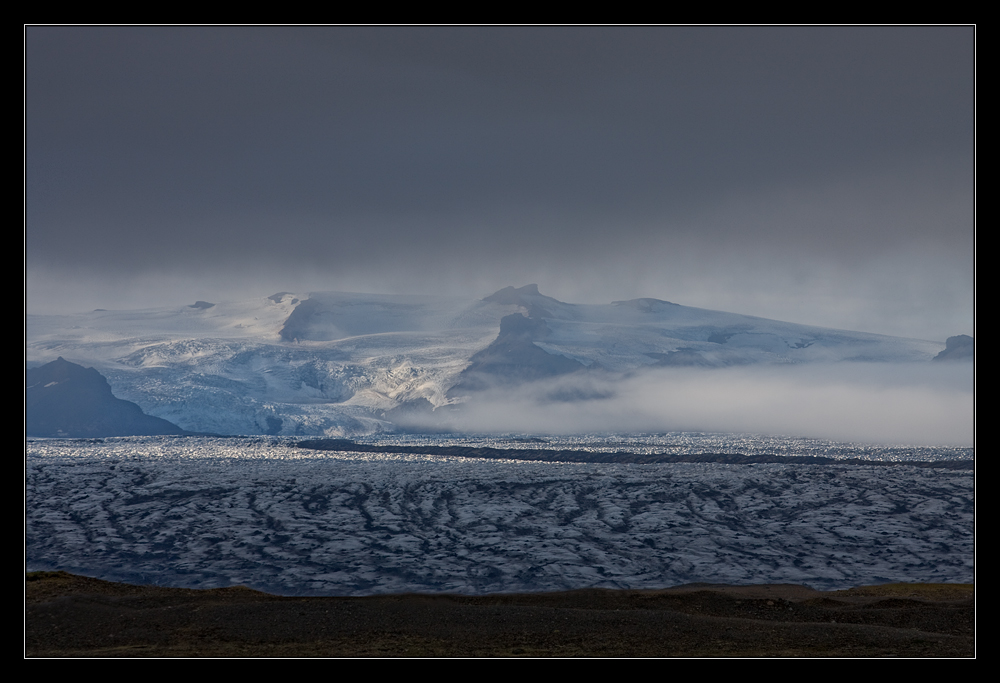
63, 399
961, 347
297, 325
513, 358
528, 297
620, 457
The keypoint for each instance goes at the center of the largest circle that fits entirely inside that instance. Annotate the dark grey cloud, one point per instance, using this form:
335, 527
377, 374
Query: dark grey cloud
600, 162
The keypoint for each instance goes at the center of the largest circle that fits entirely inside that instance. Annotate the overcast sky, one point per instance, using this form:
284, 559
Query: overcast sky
817, 175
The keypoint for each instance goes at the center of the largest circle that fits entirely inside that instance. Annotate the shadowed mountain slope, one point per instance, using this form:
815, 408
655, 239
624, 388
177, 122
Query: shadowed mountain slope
66, 399
513, 358
961, 347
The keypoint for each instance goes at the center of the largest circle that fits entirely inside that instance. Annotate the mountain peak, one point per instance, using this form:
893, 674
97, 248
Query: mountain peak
960, 347
512, 295
61, 370
527, 297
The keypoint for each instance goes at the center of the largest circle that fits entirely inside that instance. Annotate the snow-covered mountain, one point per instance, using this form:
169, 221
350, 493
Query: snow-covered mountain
342, 364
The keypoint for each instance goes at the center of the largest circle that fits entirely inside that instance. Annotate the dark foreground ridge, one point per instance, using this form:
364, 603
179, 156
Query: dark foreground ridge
75, 616
622, 457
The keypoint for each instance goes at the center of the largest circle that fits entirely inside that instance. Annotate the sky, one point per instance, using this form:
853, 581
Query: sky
820, 175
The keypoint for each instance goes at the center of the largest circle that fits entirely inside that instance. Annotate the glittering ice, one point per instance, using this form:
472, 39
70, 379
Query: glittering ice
208, 512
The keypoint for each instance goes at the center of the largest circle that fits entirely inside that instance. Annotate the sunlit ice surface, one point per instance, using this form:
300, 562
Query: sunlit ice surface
260, 511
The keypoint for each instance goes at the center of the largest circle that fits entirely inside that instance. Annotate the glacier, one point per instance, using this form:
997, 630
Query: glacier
340, 363
209, 512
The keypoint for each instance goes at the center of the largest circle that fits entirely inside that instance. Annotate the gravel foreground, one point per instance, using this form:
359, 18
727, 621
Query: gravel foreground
75, 616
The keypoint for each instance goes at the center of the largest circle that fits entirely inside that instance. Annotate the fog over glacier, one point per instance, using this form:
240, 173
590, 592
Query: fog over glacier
916, 404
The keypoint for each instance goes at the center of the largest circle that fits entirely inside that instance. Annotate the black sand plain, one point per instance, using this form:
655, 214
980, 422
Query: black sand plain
75, 616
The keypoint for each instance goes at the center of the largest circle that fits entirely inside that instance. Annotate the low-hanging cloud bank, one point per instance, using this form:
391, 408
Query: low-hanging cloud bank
902, 404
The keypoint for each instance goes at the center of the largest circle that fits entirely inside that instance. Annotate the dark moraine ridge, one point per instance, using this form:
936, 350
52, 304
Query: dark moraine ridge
620, 457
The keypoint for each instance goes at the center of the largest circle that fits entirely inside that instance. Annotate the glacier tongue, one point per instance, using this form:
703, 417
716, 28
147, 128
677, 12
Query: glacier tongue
199, 512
